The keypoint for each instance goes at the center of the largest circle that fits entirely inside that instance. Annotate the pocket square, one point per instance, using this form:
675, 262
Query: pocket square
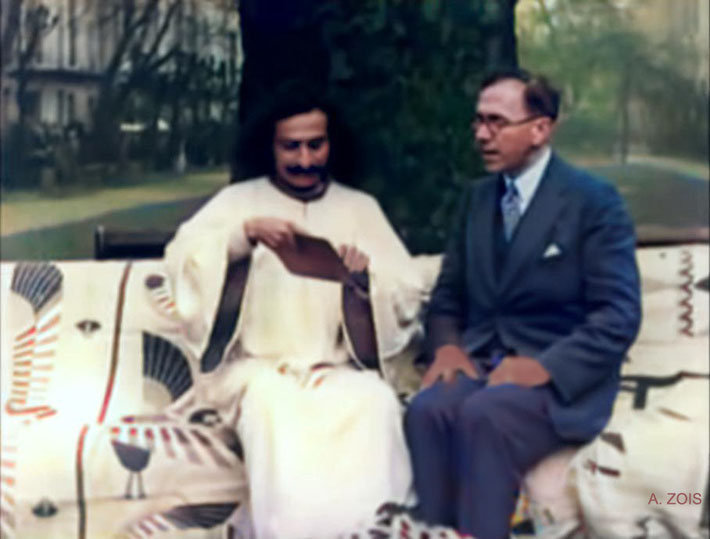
552, 250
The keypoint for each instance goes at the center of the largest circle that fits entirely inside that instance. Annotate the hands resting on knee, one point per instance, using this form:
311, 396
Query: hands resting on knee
451, 359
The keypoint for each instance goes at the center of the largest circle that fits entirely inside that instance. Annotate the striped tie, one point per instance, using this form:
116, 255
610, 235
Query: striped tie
510, 206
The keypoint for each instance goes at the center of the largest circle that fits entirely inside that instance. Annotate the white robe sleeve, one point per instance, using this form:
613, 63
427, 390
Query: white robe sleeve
396, 284
197, 257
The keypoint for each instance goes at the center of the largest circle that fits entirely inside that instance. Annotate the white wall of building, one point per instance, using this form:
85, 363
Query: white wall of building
75, 51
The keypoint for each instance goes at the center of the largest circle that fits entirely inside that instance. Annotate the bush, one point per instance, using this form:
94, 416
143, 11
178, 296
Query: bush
25, 151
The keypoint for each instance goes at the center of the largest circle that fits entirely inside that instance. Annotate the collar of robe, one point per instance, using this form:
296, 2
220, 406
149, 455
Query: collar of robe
304, 194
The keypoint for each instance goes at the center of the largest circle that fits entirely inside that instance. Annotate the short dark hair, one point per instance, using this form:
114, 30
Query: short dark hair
254, 155
541, 97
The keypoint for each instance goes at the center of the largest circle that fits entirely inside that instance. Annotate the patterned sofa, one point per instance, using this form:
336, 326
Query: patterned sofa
100, 437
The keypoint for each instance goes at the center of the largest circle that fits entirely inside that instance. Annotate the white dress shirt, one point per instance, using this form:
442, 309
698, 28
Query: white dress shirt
528, 180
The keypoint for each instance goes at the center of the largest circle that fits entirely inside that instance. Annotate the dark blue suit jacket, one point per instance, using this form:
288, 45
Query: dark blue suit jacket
577, 311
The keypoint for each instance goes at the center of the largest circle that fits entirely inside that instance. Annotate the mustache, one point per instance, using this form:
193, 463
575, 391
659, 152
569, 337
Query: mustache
298, 170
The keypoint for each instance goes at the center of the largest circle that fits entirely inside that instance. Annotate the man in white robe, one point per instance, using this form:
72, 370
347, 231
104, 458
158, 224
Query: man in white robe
323, 443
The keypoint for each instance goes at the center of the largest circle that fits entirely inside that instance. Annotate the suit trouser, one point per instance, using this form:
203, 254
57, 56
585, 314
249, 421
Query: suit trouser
471, 446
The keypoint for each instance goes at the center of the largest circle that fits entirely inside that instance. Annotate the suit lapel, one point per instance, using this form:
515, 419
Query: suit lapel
535, 225
482, 233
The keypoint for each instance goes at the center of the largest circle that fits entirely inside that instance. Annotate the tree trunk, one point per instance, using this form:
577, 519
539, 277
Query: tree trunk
501, 42
282, 40
624, 113
10, 30
106, 132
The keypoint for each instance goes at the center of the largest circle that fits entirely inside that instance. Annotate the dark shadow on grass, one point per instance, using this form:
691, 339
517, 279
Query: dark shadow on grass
659, 197
76, 240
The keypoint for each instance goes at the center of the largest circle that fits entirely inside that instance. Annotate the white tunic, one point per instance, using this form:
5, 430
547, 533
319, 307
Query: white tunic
323, 448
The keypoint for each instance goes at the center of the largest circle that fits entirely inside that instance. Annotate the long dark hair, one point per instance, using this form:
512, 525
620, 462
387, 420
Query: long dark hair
254, 155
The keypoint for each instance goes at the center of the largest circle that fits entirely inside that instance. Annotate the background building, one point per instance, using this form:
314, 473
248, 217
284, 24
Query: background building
61, 52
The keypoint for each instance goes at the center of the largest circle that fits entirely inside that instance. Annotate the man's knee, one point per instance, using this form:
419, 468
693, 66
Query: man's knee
426, 407
421, 407
438, 403
487, 409
477, 413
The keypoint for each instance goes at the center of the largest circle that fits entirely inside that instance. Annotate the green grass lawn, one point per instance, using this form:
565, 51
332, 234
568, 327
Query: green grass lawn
64, 228
75, 240
657, 196
23, 211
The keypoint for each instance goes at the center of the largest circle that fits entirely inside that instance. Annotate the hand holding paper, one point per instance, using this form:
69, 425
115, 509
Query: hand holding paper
271, 231
354, 259
310, 256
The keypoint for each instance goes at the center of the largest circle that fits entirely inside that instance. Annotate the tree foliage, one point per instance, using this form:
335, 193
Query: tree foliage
24, 26
406, 74
137, 55
621, 89
11, 20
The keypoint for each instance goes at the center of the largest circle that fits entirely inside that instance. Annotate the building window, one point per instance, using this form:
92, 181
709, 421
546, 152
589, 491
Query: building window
71, 108
60, 107
205, 33
155, 20
193, 31
60, 37
101, 32
38, 49
90, 108
179, 25
33, 100
117, 16
72, 32
25, 32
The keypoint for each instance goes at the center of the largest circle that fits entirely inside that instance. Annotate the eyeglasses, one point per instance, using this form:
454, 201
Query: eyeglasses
495, 123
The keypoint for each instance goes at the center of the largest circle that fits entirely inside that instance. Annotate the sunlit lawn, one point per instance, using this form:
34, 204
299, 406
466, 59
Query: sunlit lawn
75, 240
22, 211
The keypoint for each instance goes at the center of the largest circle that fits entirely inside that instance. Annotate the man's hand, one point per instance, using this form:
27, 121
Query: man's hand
355, 260
519, 370
271, 231
448, 360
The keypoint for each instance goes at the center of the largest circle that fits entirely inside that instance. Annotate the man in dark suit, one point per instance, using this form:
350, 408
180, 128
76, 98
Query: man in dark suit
536, 304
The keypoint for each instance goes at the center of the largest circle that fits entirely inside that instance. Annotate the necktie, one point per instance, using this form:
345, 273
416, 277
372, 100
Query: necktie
510, 206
